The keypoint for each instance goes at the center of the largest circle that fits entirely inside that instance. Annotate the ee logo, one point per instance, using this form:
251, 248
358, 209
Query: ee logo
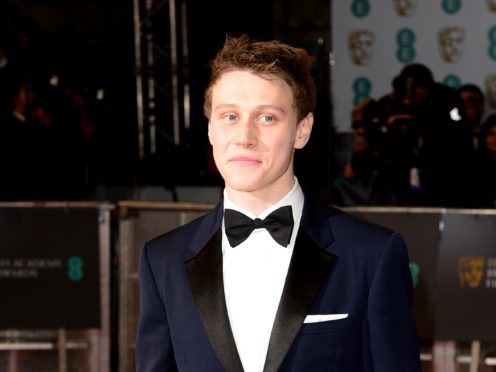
75, 270
362, 88
491, 35
414, 272
452, 81
452, 6
360, 8
406, 45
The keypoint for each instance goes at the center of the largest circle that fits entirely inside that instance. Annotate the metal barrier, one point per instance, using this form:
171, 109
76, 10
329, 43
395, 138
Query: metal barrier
55, 283
139, 222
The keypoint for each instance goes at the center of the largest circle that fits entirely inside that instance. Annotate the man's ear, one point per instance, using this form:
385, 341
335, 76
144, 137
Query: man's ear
208, 132
303, 131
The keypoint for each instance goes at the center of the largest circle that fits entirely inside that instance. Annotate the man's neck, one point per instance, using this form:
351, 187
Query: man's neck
258, 201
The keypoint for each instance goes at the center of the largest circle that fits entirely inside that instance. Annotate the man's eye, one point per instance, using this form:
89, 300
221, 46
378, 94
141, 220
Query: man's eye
267, 118
230, 117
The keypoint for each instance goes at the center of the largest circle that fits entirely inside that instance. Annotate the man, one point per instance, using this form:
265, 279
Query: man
473, 102
305, 288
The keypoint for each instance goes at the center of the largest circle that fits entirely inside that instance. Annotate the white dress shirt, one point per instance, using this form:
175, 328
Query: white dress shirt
254, 275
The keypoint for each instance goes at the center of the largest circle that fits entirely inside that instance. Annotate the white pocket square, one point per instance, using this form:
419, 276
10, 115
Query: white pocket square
324, 317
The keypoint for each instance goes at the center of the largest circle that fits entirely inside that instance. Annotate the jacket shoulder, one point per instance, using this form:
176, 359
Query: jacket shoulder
357, 223
175, 243
341, 221
355, 233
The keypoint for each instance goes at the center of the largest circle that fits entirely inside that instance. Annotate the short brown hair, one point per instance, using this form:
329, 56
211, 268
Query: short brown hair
266, 58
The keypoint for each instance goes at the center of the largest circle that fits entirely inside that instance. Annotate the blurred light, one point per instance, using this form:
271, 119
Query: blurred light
320, 41
490, 361
455, 115
100, 94
54, 80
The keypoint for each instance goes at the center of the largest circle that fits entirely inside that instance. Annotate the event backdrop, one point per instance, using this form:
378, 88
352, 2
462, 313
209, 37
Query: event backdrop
374, 39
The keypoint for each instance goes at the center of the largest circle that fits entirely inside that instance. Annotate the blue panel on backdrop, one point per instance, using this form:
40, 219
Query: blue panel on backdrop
466, 304
49, 268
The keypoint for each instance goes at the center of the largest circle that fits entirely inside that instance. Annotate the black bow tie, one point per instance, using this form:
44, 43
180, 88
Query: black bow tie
279, 224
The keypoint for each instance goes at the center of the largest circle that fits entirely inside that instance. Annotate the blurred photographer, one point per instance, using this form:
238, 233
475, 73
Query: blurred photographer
473, 101
419, 144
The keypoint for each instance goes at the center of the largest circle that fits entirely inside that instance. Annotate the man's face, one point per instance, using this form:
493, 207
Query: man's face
474, 107
418, 96
491, 141
253, 130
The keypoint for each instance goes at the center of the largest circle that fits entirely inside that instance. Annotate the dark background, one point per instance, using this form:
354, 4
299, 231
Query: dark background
90, 45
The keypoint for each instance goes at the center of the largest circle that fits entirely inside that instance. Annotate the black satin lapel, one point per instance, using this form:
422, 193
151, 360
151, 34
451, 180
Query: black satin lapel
308, 270
204, 273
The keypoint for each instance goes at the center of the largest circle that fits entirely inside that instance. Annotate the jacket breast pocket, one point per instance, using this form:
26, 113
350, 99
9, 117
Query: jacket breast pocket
329, 326
321, 346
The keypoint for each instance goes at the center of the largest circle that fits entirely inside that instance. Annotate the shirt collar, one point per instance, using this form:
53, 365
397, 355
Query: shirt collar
294, 198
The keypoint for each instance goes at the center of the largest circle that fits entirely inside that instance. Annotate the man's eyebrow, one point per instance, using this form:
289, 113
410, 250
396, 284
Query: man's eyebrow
272, 107
223, 106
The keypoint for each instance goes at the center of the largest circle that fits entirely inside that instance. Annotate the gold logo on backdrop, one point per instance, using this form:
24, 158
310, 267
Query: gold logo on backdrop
491, 5
405, 8
361, 46
471, 271
451, 41
490, 90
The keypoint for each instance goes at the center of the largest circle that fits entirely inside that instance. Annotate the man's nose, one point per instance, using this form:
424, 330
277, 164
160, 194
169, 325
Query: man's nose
247, 135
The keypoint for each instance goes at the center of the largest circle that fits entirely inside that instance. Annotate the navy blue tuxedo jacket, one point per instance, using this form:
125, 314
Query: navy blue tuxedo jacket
340, 265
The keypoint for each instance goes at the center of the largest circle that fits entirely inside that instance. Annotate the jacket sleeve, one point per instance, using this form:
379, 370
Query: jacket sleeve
154, 350
393, 337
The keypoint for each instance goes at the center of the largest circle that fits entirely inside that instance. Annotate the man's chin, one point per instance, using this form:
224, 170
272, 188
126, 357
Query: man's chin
241, 188
243, 185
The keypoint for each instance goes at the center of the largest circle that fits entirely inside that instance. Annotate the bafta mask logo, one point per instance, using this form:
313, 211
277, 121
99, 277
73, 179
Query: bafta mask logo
491, 5
471, 271
490, 90
405, 8
451, 41
361, 46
